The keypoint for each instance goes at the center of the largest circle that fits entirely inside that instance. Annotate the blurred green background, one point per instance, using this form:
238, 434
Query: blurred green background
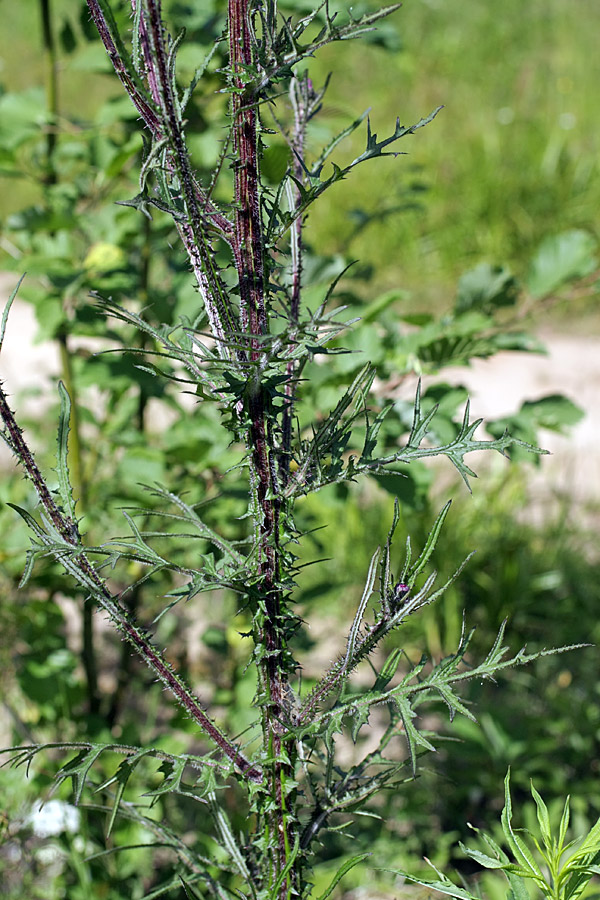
511, 161
512, 158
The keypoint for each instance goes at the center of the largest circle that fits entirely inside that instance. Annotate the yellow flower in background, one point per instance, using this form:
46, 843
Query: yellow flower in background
104, 257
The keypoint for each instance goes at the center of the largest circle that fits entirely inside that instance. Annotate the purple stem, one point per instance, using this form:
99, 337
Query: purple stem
162, 124
249, 256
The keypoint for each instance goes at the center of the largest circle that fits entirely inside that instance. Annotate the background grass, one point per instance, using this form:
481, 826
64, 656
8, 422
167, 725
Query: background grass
512, 157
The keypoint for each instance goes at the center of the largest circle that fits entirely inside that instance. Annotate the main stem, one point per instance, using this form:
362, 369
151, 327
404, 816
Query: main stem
249, 256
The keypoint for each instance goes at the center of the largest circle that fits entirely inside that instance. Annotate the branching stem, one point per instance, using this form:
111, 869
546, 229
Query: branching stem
79, 565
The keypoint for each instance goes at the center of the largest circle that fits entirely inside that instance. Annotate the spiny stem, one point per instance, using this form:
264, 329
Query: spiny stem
249, 257
158, 110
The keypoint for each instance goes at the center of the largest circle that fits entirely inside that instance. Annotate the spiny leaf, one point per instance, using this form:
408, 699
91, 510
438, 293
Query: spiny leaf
78, 768
388, 670
200, 70
371, 435
411, 572
291, 859
316, 187
328, 150
414, 738
358, 618
62, 468
385, 581
331, 437
189, 893
455, 450
375, 148
229, 842
6, 311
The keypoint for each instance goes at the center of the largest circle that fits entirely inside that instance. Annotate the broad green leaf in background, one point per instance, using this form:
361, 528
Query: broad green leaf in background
486, 288
555, 413
561, 259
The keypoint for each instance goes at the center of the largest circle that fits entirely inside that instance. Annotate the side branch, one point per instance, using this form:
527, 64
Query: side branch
142, 101
302, 97
159, 109
70, 553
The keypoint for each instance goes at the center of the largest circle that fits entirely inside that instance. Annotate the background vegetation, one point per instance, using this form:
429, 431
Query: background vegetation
509, 163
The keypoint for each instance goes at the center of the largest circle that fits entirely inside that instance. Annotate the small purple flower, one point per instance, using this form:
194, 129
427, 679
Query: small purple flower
399, 594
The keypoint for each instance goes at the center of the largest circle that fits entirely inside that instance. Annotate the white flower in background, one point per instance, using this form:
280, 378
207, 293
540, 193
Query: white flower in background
567, 120
52, 818
505, 115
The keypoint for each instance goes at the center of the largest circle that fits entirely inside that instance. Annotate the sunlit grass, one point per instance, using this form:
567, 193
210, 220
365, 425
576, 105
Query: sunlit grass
511, 158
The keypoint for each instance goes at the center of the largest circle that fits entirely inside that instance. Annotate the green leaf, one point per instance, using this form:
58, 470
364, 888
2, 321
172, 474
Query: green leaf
561, 259
229, 842
276, 892
349, 864
22, 116
543, 818
78, 768
518, 887
517, 845
442, 884
455, 450
358, 618
411, 572
62, 468
388, 670
189, 892
6, 311
375, 148
488, 862
413, 736
486, 288
564, 824
326, 152
68, 40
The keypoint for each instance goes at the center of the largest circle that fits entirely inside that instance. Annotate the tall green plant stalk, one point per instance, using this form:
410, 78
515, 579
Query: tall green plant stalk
88, 651
51, 61
262, 340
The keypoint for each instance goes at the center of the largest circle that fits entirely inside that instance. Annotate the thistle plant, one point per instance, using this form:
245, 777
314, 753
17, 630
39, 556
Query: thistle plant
250, 349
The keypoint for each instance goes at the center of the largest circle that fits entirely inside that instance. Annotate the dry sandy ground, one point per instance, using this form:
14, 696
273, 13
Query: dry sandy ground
498, 386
